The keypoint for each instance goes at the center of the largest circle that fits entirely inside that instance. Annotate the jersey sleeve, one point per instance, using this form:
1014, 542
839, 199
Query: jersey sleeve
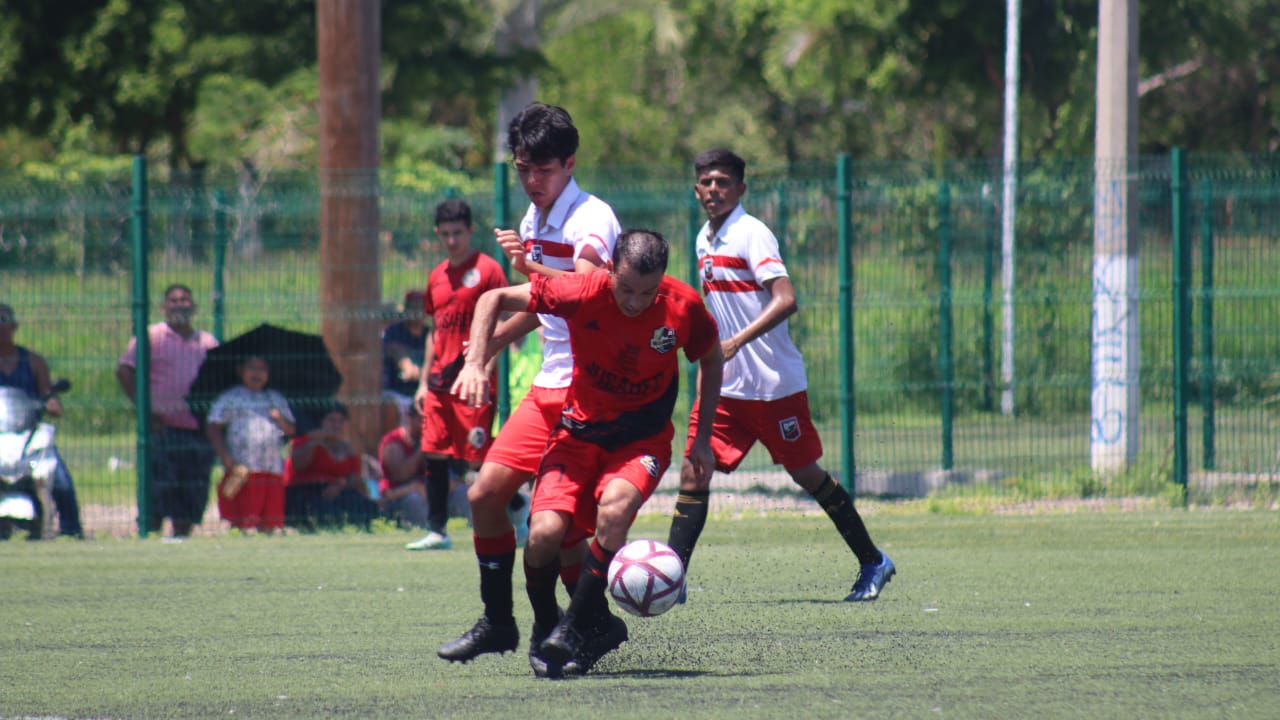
220, 412
130, 356
279, 402
560, 296
596, 228
428, 304
702, 331
496, 278
763, 255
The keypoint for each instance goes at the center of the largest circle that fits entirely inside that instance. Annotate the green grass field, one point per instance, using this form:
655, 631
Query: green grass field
1153, 613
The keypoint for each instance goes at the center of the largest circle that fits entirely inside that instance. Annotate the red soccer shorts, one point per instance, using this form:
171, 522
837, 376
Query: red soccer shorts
524, 435
451, 427
783, 426
260, 503
574, 474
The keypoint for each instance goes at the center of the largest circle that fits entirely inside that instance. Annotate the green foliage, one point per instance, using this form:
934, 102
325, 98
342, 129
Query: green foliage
784, 80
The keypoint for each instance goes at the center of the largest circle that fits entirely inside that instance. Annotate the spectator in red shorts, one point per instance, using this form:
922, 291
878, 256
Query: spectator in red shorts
247, 426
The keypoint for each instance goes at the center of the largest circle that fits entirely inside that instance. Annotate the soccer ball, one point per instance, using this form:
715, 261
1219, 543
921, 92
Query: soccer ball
646, 577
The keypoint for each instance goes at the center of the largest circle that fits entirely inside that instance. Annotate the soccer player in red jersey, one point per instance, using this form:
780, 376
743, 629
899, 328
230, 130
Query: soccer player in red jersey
764, 397
613, 442
451, 430
564, 230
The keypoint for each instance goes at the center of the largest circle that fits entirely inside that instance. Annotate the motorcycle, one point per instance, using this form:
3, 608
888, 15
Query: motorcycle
28, 461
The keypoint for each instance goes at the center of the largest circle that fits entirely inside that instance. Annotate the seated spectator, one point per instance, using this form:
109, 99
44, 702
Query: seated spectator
324, 479
403, 489
247, 426
28, 371
404, 347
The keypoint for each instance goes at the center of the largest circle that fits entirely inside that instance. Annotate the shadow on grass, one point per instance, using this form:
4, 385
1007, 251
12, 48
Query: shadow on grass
650, 674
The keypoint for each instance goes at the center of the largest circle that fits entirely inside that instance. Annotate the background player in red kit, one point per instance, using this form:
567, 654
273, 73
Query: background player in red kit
613, 443
451, 429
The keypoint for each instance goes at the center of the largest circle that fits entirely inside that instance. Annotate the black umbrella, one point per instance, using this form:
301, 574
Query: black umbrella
300, 365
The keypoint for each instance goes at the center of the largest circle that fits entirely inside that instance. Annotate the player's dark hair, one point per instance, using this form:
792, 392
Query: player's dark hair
543, 132
720, 159
644, 251
453, 210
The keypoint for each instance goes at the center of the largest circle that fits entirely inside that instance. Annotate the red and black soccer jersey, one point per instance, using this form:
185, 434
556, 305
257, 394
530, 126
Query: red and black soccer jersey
452, 293
625, 369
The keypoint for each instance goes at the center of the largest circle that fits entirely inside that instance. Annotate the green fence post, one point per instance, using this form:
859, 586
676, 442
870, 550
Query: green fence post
844, 224
501, 219
695, 280
989, 234
1207, 376
1181, 316
142, 367
219, 264
946, 366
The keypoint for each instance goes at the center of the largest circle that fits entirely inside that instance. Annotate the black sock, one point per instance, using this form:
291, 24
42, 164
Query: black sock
839, 507
569, 575
687, 522
588, 603
438, 495
495, 586
540, 585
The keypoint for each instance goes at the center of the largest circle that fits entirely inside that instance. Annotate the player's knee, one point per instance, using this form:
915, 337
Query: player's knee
546, 530
689, 480
809, 477
493, 488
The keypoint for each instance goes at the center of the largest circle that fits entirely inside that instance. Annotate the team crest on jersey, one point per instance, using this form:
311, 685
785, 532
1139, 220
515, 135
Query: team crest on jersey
471, 278
477, 437
535, 252
663, 340
790, 428
707, 266
651, 465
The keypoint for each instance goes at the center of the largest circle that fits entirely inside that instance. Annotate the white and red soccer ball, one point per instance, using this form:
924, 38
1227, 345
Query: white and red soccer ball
646, 578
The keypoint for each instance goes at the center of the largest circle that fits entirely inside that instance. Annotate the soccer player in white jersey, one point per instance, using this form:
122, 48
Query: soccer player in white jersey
564, 230
763, 396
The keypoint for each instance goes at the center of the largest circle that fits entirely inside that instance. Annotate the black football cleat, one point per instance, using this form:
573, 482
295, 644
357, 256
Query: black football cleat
483, 637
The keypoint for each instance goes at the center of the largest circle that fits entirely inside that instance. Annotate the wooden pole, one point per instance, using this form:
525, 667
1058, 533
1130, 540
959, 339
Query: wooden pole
348, 41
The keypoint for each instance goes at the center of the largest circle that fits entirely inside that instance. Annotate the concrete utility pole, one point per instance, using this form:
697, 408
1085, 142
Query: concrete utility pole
1009, 200
349, 37
1115, 421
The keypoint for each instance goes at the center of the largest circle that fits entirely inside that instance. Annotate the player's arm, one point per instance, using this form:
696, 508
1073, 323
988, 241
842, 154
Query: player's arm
472, 385
400, 465
782, 305
428, 359
512, 328
710, 374
216, 432
126, 376
588, 259
40, 369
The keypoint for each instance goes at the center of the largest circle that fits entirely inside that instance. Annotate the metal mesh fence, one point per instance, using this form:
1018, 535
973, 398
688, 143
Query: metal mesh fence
928, 336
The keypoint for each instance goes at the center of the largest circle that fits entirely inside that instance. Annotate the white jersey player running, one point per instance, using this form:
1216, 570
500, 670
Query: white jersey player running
764, 394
